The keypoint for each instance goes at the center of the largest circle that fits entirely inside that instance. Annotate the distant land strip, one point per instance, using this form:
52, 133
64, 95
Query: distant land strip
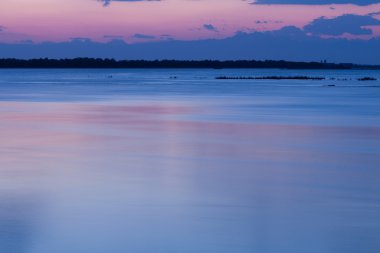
291, 78
210, 64
269, 78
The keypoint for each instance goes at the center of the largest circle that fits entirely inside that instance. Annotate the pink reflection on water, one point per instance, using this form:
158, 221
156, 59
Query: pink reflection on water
58, 131
120, 169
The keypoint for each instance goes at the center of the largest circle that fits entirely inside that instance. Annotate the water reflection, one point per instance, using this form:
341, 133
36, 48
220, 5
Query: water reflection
167, 177
16, 224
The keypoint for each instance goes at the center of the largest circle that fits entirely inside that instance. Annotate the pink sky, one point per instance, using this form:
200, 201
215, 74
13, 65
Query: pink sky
58, 20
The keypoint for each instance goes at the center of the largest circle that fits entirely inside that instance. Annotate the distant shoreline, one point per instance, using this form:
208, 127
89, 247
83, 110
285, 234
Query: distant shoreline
93, 63
315, 78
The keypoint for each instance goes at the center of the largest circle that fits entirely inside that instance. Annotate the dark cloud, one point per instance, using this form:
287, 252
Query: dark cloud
107, 2
210, 27
80, 40
351, 24
143, 36
264, 22
26, 42
114, 37
318, 2
261, 22
166, 37
288, 43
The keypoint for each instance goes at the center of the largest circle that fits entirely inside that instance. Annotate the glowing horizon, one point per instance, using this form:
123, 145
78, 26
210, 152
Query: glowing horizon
135, 21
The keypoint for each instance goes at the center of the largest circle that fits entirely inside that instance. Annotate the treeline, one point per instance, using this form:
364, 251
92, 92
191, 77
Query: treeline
111, 63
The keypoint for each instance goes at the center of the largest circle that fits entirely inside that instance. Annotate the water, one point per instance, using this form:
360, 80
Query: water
140, 161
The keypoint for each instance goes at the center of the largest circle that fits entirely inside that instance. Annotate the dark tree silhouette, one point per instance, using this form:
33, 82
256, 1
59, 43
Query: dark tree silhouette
111, 63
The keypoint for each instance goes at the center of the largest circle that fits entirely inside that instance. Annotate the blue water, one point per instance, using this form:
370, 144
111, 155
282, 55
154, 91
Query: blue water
175, 161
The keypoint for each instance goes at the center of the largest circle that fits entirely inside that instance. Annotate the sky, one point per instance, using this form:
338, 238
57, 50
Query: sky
32, 24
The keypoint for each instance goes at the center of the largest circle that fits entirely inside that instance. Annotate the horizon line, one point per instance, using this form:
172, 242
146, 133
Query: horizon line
89, 62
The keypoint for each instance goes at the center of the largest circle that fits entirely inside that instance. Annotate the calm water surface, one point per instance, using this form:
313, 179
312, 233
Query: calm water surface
175, 161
